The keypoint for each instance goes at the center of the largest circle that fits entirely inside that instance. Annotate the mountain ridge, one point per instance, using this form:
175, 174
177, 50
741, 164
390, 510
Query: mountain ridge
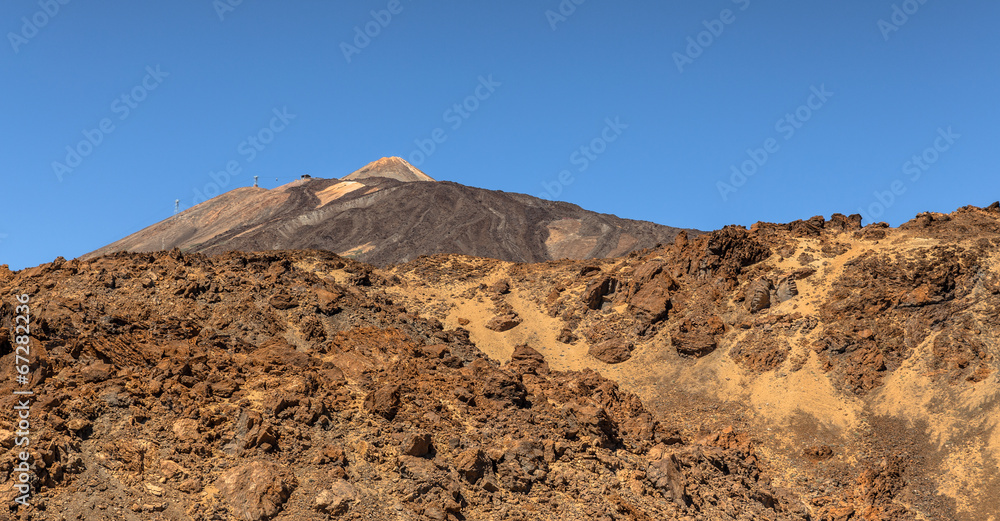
389, 212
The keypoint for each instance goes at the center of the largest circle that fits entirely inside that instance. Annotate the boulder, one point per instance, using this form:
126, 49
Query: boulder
327, 301
614, 351
593, 295
787, 289
471, 465
282, 301
697, 337
566, 336
256, 491
336, 499
501, 323
415, 445
97, 372
526, 360
384, 402
652, 300
759, 295
501, 287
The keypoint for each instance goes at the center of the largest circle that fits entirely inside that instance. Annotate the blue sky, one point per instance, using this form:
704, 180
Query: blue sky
644, 109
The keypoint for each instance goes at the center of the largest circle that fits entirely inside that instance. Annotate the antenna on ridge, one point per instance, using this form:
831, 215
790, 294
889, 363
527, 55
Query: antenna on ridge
255, 181
177, 205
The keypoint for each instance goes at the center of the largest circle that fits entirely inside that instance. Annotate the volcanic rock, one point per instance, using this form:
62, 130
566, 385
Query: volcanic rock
256, 491
415, 444
212, 392
501, 323
472, 465
697, 337
593, 295
384, 402
613, 351
526, 360
336, 499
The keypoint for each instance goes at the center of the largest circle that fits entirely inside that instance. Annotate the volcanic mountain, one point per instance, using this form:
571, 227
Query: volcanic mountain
388, 212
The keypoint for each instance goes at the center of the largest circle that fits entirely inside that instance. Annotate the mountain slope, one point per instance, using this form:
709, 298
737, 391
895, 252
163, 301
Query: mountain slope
391, 212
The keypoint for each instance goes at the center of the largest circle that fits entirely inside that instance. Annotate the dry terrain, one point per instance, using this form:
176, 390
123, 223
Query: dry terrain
811, 370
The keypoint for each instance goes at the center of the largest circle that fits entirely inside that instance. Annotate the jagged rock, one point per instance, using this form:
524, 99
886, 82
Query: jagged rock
435, 351
495, 384
838, 222
593, 295
650, 290
97, 372
566, 336
500, 287
252, 431
526, 360
384, 402
283, 301
611, 351
759, 296
191, 485
697, 337
256, 491
186, 429
336, 499
327, 301
471, 465
416, 445
665, 474
501, 323
787, 289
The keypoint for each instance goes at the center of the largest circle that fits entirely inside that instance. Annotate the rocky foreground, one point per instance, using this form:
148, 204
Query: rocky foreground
815, 370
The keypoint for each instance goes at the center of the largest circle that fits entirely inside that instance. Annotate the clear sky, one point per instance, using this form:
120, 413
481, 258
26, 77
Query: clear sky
644, 109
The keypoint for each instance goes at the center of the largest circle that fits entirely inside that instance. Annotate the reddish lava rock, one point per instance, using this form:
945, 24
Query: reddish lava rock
501, 323
611, 351
256, 491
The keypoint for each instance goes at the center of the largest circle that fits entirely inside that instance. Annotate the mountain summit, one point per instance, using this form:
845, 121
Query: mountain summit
391, 168
385, 213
